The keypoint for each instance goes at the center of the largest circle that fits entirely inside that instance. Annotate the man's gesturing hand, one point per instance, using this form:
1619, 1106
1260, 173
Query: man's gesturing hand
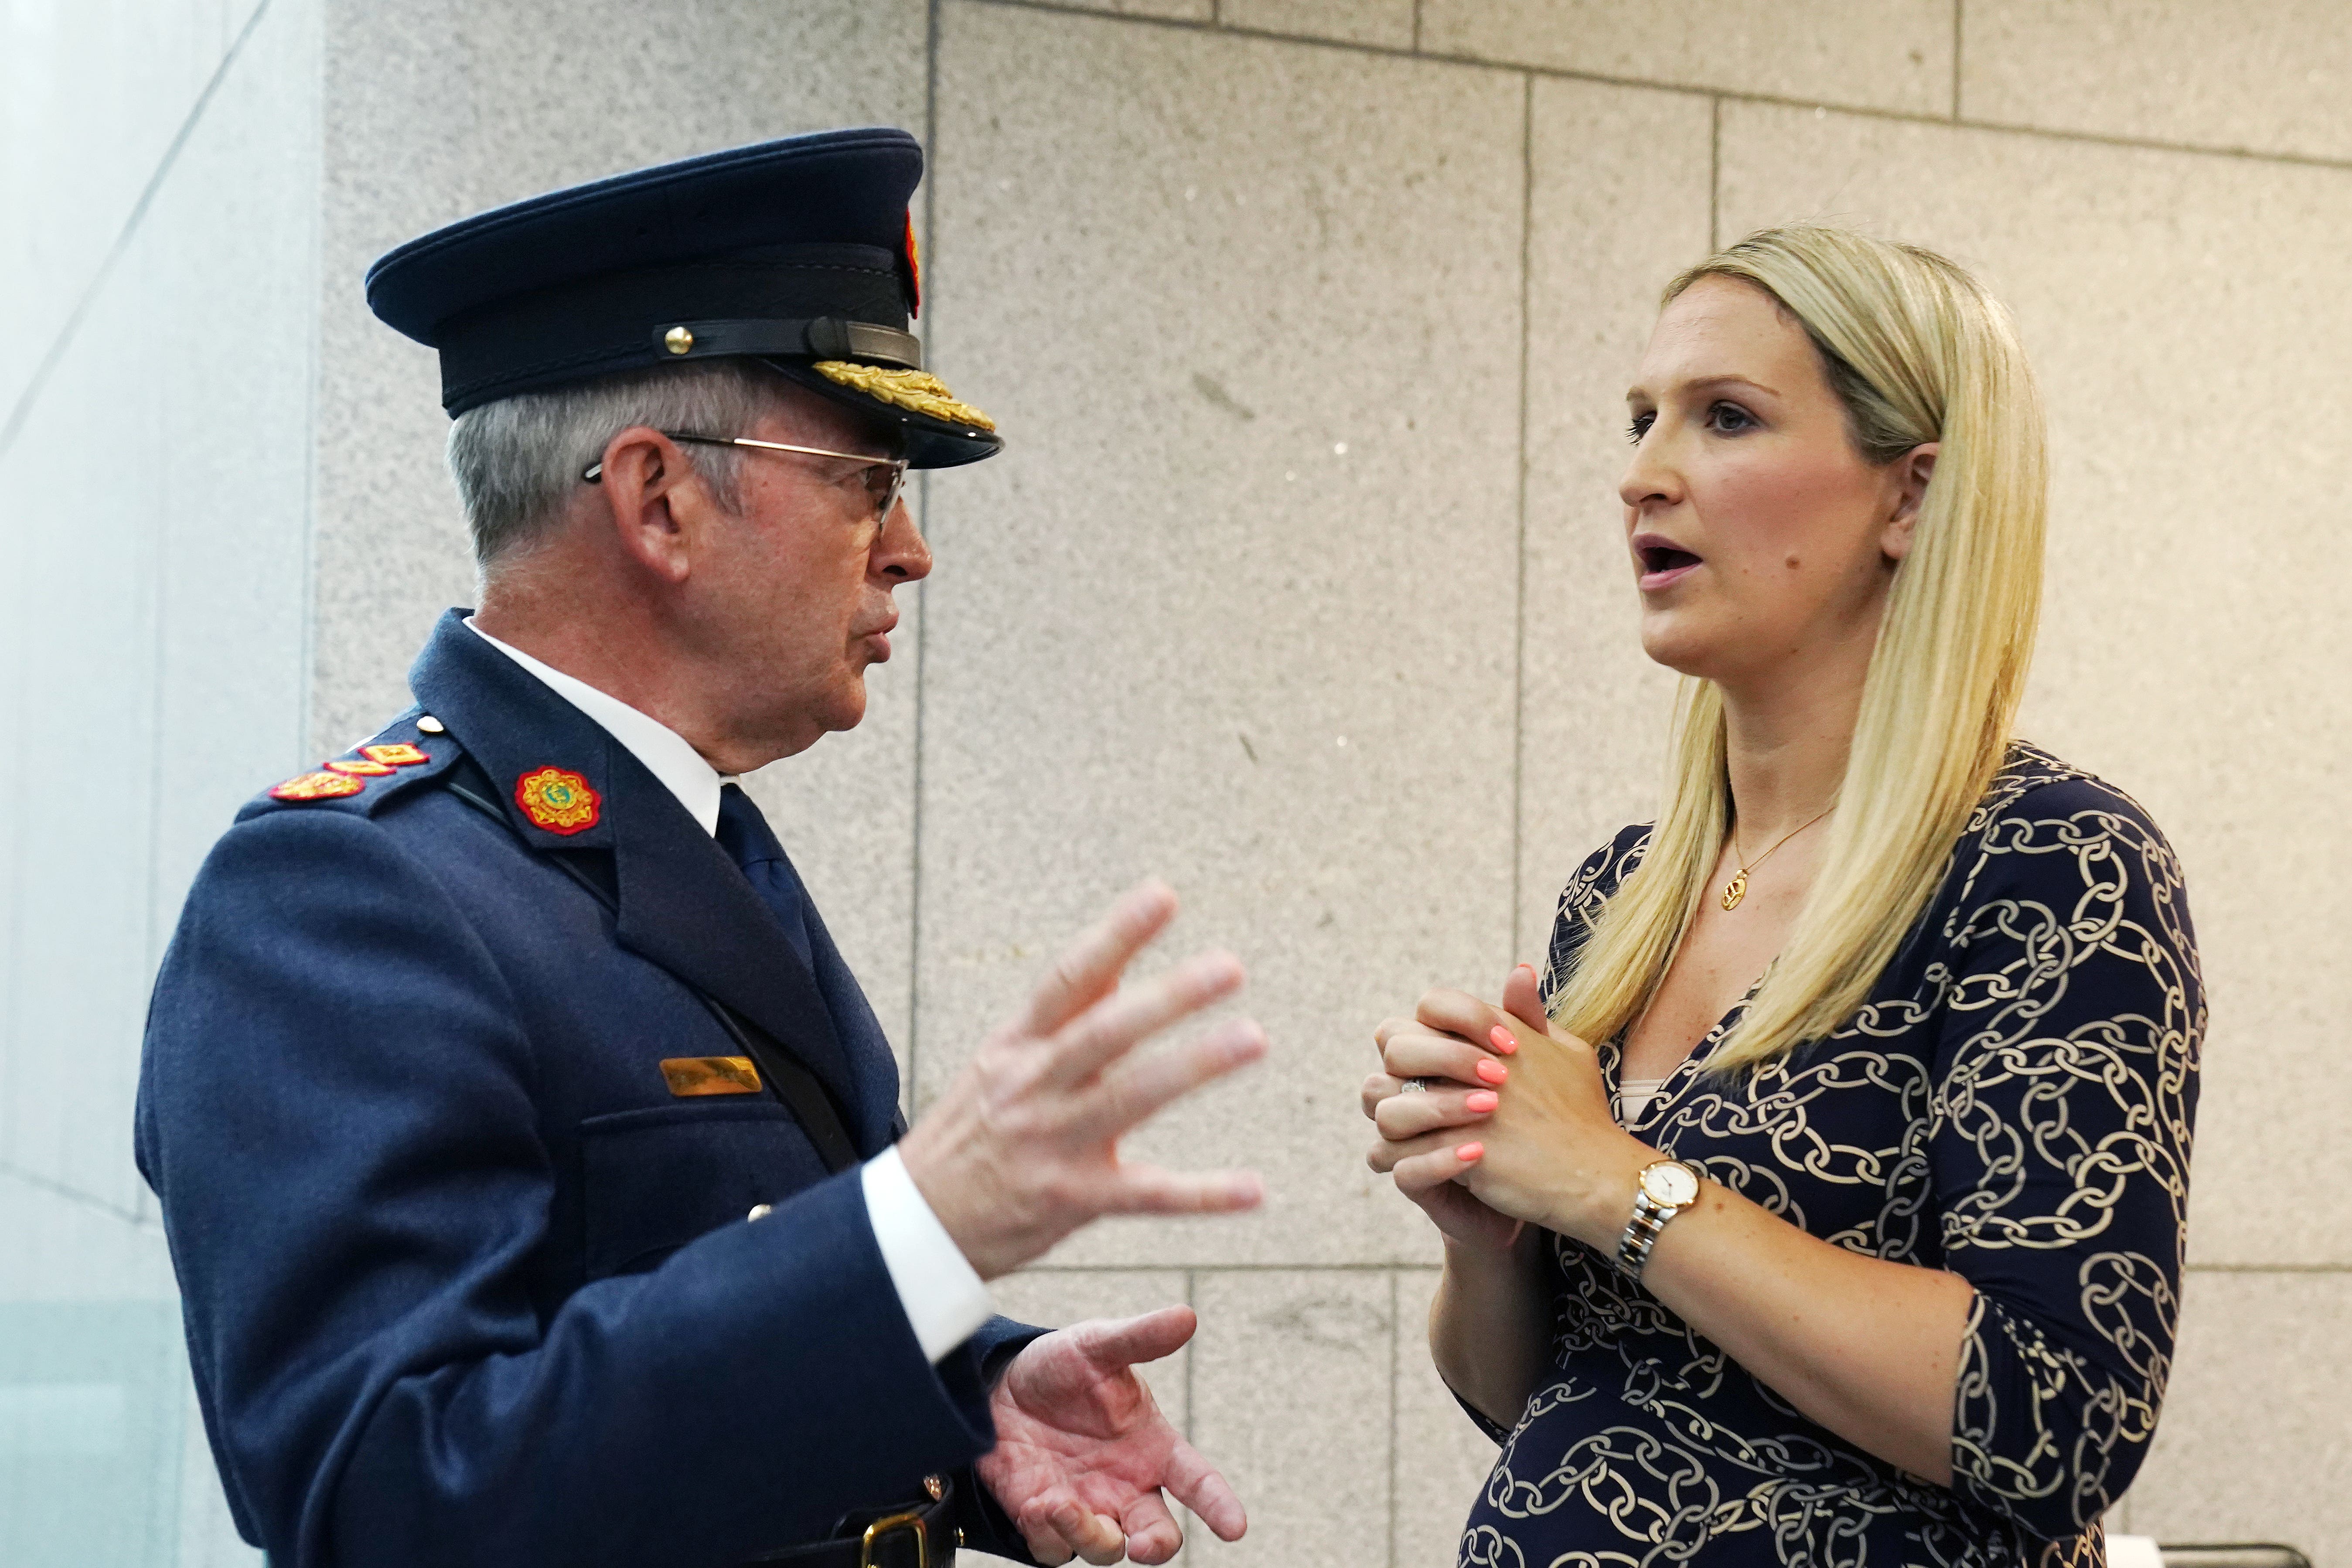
1023, 1147
1083, 1454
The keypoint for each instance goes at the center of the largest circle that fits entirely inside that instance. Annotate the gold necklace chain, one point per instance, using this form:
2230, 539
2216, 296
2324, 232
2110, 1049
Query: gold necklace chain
1737, 889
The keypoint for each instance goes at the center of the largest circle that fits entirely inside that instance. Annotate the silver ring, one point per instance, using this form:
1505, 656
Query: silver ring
1414, 1086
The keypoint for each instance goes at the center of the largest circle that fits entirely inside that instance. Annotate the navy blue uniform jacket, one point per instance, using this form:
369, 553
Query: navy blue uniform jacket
463, 1282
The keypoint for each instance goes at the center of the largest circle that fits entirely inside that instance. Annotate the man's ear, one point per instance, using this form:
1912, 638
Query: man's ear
655, 502
1911, 472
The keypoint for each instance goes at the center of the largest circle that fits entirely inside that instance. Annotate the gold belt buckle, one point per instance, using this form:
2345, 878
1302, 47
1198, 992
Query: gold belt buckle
911, 1519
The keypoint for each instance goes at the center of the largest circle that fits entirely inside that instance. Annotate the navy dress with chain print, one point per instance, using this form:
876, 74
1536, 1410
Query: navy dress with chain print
2012, 1103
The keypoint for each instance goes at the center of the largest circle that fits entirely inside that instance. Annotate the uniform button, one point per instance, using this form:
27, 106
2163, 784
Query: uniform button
760, 1211
429, 725
936, 1487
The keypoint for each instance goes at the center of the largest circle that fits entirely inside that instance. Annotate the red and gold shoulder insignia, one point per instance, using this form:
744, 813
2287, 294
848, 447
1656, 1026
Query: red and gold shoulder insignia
359, 767
321, 785
396, 754
558, 801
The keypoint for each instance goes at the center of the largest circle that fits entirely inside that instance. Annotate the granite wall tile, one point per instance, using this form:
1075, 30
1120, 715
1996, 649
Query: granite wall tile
1174, 10
1442, 1459
1234, 607
2270, 76
2185, 314
1292, 1383
1593, 707
1873, 53
1385, 23
2251, 1445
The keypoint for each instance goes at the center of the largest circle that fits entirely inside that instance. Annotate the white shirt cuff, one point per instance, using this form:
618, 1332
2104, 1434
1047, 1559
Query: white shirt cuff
942, 1296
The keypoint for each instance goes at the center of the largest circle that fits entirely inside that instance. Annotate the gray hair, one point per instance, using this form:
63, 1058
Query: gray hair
517, 462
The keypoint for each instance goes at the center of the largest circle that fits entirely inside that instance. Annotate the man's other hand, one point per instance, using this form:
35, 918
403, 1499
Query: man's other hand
1083, 1454
1023, 1147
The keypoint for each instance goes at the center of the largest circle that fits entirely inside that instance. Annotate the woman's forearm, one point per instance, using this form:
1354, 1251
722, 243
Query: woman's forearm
1867, 1348
1489, 1325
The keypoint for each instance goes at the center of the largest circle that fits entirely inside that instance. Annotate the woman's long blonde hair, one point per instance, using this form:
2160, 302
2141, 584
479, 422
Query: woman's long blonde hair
1918, 352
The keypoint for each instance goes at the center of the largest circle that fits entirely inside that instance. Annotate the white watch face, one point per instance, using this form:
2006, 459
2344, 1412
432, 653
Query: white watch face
1670, 1184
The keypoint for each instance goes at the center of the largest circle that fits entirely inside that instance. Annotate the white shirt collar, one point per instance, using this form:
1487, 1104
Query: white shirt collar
664, 752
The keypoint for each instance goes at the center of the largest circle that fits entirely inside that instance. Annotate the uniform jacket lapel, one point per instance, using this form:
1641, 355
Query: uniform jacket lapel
683, 903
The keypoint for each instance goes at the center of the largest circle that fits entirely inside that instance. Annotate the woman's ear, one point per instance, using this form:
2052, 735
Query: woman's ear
1911, 473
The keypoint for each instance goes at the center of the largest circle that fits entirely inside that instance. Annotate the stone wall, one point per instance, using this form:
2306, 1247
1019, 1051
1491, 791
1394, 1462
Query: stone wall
1299, 584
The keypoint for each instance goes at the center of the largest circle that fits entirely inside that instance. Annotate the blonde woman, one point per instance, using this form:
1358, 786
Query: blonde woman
1872, 1259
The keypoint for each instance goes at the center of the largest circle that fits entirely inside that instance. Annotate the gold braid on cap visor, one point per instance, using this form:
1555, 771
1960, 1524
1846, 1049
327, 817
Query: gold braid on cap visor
910, 389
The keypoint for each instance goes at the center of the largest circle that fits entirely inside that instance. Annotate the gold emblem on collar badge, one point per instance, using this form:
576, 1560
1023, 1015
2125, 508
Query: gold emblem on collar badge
359, 766
558, 801
395, 754
319, 785
690, 1077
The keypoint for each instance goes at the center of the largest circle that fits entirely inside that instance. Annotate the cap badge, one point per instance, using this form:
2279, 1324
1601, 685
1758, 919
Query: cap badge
396, 754
321, 785
912, 389
360, 766
914, 270
557, 801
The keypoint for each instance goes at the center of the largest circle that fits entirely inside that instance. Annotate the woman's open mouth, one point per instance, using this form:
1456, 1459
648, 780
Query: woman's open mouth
1660, 563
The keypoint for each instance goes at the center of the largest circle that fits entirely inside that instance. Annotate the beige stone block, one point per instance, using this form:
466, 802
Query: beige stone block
1593, 708
1385, 23
1873, 53
1442, 1458
436, 110
2250, 1444
1056, 1298
1235, 606
1292, 1383
2185, 315
2267, 76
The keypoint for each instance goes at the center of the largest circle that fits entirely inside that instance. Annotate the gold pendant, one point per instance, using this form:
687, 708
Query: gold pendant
1733, 890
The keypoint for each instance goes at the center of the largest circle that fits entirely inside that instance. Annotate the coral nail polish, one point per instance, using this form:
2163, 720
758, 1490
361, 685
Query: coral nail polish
1493, 1071
1480, 1100
1503, 1040
1469, 1150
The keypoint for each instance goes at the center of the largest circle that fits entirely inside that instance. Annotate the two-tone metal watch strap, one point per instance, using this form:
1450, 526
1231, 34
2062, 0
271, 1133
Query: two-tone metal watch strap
1650, 1217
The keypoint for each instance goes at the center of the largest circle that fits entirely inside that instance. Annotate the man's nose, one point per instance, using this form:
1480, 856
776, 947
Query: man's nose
901, 554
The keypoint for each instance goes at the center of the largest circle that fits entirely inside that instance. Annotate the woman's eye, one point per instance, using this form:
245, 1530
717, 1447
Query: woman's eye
1727, 418
1639, 427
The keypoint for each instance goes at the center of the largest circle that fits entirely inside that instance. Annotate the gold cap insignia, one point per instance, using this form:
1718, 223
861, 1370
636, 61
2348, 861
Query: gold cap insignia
319, 785
917, 390
558, 801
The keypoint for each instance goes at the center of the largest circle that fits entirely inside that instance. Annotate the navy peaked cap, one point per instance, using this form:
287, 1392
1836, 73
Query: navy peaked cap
799, 253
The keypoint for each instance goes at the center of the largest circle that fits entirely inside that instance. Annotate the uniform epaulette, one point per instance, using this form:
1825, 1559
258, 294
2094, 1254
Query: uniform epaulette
414, 747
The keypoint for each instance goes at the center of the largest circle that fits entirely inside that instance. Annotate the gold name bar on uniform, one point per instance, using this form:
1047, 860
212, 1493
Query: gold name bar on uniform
690, 1075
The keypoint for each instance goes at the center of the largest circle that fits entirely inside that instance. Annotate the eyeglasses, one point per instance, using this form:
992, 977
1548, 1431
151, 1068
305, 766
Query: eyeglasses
884, 477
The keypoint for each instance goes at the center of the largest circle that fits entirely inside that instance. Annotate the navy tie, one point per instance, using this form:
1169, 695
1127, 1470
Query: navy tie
744, 833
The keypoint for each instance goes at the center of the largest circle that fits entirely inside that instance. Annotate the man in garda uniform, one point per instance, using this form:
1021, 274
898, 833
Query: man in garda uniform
531, 1159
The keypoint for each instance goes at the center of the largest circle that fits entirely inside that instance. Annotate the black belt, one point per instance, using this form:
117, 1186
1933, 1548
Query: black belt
918, 1535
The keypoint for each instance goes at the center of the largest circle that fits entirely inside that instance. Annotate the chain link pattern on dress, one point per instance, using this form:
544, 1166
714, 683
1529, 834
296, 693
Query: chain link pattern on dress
2014, 1103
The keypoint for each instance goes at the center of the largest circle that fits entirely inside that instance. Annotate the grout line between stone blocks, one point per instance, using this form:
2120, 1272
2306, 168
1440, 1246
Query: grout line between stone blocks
1396, 1372
1519, 585
1958, 10
922, 618
1416, 25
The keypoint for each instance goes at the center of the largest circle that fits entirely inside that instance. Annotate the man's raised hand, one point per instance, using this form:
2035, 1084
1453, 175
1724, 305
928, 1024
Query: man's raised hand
1023, 1147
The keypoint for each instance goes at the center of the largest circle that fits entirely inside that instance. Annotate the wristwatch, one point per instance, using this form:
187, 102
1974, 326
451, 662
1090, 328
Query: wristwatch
1666, 1188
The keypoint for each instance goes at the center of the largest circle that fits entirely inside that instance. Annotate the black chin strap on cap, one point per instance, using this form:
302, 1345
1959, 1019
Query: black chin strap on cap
824, 337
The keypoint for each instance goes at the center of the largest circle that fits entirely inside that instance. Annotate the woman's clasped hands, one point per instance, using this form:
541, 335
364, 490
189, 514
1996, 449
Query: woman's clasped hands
1490, 1118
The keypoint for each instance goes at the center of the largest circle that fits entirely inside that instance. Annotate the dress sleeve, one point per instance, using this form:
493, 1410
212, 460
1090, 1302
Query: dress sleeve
2058, 1139
1582, 902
